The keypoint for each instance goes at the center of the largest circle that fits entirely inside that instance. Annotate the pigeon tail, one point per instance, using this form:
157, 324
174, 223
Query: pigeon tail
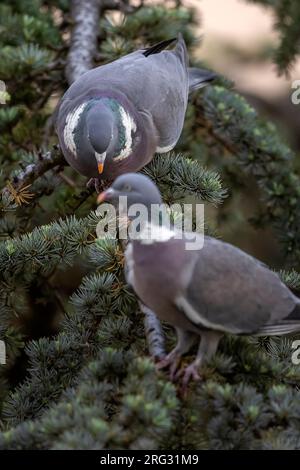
181, 50
290, 324
278, 329
198, 78
158, 47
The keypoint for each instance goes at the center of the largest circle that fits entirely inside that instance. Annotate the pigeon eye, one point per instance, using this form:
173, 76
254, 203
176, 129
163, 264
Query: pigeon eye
127, 187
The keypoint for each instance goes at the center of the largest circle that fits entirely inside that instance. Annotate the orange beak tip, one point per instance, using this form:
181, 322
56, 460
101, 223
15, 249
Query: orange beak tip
100, 168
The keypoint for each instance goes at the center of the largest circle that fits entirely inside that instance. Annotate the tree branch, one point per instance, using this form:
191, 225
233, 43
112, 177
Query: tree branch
85, 16
154, 334
16, 191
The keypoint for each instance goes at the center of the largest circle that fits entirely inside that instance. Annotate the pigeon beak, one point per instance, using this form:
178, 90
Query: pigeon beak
100, 157
105, 195
100, 168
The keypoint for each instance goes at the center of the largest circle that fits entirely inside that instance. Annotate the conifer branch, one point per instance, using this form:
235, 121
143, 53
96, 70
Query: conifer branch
260, 151
65, 354
46, 247
287, 17
177, 175
116, 381
21, 182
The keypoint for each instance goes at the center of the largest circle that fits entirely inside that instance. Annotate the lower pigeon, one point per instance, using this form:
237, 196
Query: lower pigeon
203, 293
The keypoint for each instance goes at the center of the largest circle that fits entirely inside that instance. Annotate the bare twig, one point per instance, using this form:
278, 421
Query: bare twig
45, 162
67, 180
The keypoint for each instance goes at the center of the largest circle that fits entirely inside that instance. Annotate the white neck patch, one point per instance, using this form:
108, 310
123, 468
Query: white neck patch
153, 233
129, 127
72, 120
166, 149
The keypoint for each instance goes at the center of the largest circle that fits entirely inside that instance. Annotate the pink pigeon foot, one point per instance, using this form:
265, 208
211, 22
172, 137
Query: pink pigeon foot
191, 372
186, 375
98, 184
171, 362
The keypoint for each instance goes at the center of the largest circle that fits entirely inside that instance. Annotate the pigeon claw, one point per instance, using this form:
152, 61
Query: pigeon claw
174, 368
191, 372
186, 375
98, 184
94, 182
164, 362
171, 362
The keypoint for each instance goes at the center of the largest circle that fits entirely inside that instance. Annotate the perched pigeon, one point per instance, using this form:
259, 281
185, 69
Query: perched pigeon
203, 292
115, 117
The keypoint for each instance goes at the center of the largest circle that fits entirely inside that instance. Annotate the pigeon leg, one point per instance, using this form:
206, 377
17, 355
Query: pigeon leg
207, 348
185, 341
99, 185
94, 182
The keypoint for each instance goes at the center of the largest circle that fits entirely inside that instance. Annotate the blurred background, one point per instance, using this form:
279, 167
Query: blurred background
238, 40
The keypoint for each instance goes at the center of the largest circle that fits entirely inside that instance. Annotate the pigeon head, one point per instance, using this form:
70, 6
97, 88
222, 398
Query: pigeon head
102, 133
99, 134
137, 188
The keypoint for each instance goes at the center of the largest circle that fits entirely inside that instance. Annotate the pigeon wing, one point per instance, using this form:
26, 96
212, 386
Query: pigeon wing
232, 291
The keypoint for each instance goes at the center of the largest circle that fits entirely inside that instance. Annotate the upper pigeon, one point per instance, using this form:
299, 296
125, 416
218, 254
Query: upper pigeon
115, 117
212, 289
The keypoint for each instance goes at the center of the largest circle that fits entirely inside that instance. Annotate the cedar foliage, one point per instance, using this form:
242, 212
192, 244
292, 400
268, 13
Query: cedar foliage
78, 373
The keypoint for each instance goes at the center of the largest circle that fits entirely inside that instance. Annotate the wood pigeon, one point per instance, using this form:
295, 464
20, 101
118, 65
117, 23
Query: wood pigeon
115, 117
202, 292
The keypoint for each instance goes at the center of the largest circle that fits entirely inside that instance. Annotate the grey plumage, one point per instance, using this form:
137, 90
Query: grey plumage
115, 117
203, 292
